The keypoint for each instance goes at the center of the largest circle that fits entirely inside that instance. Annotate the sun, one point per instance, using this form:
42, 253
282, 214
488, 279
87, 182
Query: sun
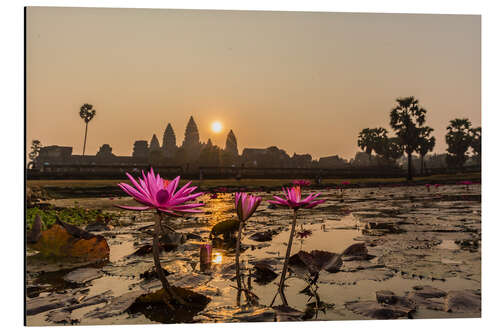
216, 126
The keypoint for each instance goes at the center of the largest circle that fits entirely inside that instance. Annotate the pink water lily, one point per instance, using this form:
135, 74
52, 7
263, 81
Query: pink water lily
157, 193
246, 205
293, 199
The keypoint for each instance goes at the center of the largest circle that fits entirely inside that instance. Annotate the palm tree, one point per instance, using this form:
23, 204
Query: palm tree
35, 151
390, 150
407, 119
476, 143
459, 139
426, 144
86, 113
371, 139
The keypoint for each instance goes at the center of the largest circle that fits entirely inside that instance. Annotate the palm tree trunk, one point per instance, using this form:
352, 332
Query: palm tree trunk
409, 166
287, 256
421, 165
85, 139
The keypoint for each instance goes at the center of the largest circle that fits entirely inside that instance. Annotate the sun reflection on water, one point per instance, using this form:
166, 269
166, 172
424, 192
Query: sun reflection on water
217, 258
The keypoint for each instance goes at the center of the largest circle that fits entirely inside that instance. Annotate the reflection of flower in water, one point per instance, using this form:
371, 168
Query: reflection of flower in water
304, 233
217, 258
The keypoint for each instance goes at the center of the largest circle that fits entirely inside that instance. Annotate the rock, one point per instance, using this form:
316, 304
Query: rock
463, 301
41, 304
263, 273
262, 236
67, 241
117, 306
83, 275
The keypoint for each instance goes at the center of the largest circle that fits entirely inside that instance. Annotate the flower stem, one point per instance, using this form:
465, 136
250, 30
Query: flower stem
159, 270
238, 274
287, 256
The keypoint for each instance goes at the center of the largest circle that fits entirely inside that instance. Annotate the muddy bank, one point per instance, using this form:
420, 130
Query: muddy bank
422, 260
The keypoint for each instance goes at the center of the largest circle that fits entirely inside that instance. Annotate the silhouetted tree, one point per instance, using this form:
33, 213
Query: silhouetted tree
86, 113
476, 143
35, 151
369, 139
390, 149
426, 144
459, 139
407, 119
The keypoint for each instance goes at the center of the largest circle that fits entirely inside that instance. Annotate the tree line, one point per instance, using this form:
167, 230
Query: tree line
407, 119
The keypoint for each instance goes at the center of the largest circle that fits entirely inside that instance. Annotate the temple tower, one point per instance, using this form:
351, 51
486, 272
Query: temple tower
231, 144
191, 135
169, 142
154, 144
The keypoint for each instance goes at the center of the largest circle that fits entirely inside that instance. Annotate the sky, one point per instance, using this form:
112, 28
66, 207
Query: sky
305, 82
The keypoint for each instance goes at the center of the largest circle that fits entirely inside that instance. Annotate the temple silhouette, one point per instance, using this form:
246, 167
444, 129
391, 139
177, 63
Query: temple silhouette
193, 154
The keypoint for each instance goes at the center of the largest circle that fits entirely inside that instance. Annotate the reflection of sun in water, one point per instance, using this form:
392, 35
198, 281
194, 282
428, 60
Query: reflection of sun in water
216, 126
217, 258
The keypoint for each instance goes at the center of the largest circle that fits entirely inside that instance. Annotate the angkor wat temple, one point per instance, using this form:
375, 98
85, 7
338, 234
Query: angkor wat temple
192, 153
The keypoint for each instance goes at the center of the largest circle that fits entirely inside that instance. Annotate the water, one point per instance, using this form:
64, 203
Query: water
416, 237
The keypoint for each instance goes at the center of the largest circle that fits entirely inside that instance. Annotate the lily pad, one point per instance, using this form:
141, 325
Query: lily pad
70, 242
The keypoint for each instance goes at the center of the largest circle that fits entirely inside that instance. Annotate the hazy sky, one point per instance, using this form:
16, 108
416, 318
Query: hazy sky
305, 82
